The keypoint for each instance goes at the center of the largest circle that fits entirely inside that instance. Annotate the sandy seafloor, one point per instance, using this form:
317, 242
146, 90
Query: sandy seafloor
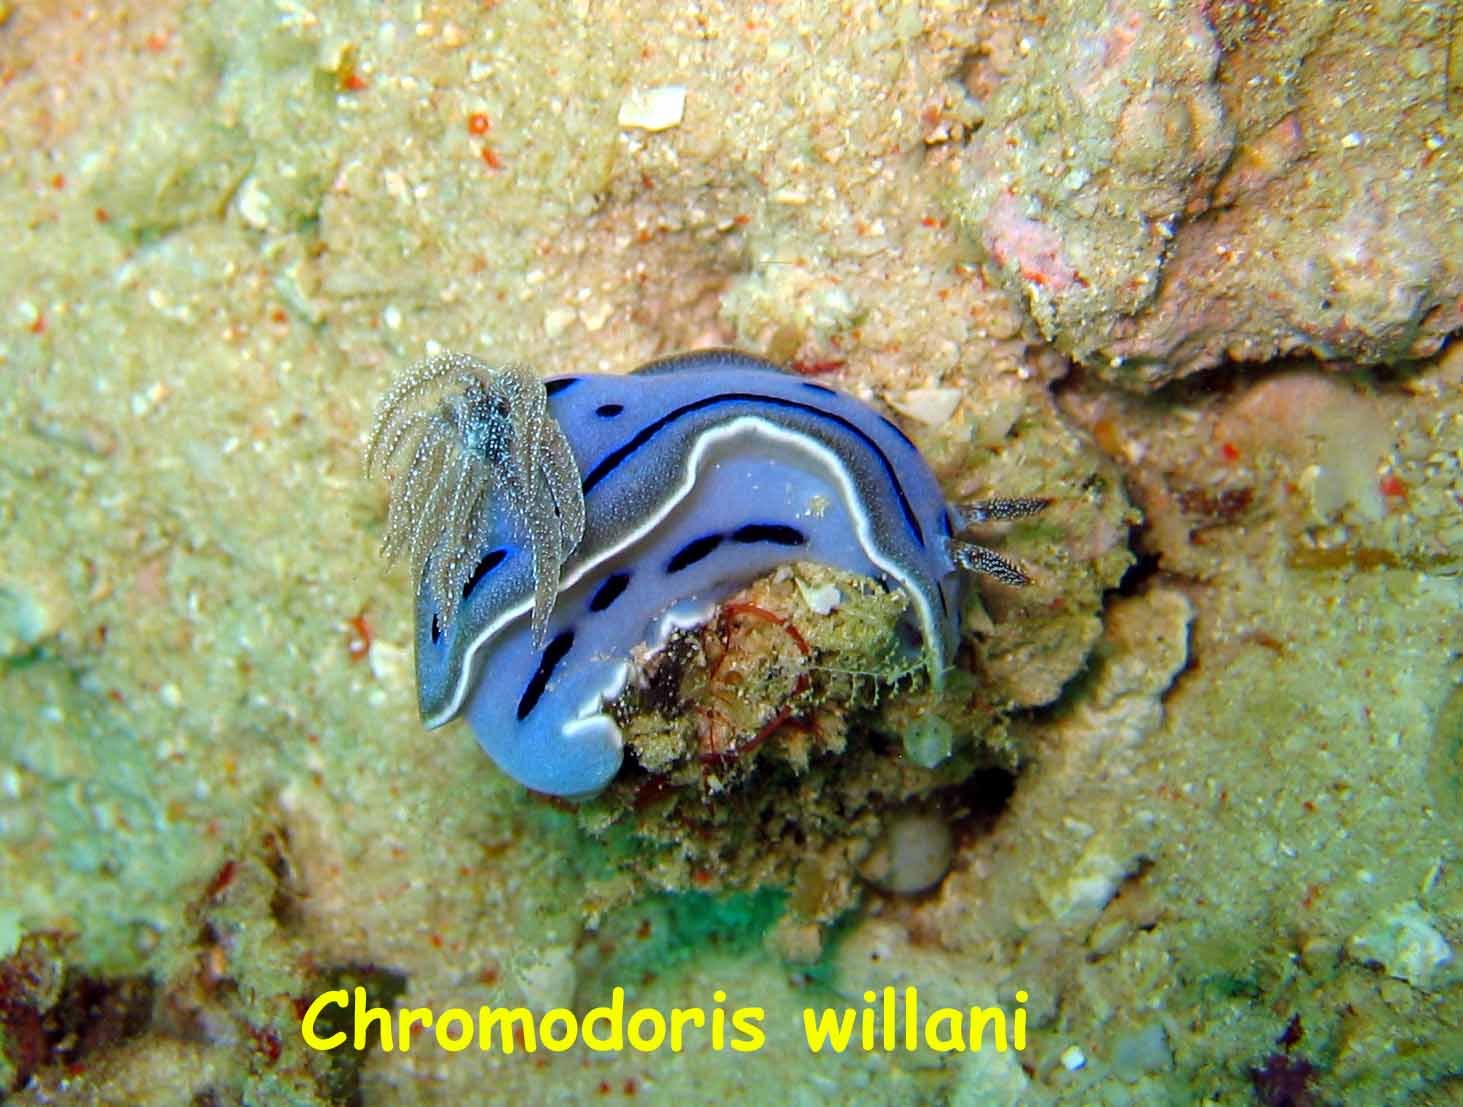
1189, 269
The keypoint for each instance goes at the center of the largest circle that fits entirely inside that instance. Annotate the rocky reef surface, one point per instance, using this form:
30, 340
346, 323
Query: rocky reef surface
1188, 269
1168, 186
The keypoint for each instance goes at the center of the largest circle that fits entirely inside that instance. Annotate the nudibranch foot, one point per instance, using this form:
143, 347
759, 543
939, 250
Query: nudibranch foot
482, 448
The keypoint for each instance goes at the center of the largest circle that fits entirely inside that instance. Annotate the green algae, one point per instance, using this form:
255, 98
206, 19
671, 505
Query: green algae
1445, 759
88, 794
658, 934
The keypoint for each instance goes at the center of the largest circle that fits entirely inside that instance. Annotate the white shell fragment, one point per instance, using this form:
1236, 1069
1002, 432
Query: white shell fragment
1405, 943
821, 599
930, 406
653, 109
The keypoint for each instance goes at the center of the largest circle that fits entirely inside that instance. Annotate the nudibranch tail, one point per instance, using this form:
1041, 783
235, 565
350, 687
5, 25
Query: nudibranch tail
481, 444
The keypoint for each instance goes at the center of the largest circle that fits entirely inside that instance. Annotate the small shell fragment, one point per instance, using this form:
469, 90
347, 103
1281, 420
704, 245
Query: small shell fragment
930, 406
821, 599
654, 109
912, 855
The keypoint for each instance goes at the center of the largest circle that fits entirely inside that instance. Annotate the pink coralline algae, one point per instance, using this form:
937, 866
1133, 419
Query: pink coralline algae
1028, 247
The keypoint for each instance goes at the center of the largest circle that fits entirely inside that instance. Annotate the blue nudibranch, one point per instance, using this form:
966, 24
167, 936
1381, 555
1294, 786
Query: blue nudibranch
555, 524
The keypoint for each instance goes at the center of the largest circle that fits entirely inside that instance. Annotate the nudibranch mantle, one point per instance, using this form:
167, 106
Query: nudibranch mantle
698, 474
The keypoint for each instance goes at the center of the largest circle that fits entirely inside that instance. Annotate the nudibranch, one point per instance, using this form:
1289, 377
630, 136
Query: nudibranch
555, 524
